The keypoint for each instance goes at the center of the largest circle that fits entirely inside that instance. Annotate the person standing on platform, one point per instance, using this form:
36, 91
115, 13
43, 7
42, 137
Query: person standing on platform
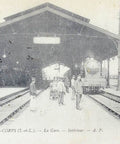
73, 87
33, 93
53, 89
61, 92
78, 91
67, 84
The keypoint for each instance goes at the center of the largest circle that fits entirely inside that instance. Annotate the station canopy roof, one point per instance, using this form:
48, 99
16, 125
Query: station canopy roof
78, 38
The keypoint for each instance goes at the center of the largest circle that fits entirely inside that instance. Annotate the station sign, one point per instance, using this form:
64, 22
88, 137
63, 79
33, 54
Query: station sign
46, 40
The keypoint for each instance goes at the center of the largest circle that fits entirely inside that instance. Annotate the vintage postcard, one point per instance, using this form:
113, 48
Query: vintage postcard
60, 72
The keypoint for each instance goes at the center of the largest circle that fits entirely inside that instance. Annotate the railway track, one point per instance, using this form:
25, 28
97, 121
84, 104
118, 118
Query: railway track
111, 96
12, 104
6, 99
110, 102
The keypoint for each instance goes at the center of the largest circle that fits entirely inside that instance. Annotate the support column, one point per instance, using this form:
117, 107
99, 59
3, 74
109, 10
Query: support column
101, 68
108, 73
118, 88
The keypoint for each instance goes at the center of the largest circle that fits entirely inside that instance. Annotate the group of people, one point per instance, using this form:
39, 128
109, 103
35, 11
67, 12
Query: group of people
58, 90
61, 87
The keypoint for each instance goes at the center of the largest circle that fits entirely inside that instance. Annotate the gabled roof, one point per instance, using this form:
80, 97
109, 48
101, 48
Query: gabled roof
43, 6
58, 11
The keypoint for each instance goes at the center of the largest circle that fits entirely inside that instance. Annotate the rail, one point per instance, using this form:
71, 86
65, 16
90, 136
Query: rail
110, 103
14, 105
6, 99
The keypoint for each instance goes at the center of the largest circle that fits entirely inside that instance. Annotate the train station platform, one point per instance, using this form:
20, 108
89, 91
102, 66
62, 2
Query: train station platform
52, 123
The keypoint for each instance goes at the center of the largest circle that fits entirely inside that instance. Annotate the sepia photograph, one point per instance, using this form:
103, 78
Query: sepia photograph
60, 72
